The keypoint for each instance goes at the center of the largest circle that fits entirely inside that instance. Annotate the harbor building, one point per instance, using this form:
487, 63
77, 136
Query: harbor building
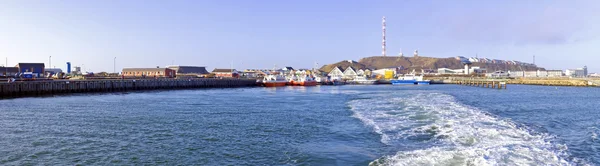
538, 73
579, 72
148, 72
190, 71
350, 73
36, 69
336, 73
477, 70
451, 71
225, 72
387, 73
554, 73
53, 71
9, 71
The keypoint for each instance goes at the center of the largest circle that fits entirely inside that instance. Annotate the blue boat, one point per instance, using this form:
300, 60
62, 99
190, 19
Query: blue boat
410, 79
403, 82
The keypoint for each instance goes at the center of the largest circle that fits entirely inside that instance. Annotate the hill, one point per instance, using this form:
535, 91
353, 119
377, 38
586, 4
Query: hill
409, 63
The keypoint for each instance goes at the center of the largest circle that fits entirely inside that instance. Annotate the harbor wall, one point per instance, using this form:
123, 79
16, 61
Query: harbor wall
524, 81
35, 88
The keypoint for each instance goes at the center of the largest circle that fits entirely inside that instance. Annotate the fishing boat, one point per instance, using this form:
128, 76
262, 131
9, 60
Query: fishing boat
274, 81
363, 81
304, 81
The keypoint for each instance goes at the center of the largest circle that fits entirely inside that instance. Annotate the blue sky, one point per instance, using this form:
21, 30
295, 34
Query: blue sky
262, 34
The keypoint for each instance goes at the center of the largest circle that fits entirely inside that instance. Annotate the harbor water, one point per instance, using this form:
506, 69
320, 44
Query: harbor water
323, 125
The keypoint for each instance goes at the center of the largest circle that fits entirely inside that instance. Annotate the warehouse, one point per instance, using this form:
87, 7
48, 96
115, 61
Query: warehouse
148, 72
195, 71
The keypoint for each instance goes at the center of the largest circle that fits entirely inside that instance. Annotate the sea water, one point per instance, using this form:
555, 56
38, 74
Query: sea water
323, 125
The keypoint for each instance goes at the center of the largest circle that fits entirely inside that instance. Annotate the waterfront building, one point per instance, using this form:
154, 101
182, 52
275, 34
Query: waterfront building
579, 72
194, 71
368, 73
516, 74
530, 73
225, 72
497, 74
542, 73
37, 69
148, 72
9, 71
360, 72
302, 72
251, 74
52, 71
554, 73
473, 59
451, 71
350, 73
477, 70
336, 73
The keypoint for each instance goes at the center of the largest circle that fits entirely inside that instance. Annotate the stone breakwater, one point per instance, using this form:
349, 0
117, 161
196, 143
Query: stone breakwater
551, 82
37, 88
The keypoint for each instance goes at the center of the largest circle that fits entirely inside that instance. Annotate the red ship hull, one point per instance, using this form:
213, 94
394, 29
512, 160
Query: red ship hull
304, 83
274, 84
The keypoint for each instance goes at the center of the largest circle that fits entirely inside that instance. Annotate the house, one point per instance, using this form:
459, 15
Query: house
368, 73
225, 72
148, 72
195, 71
336, 73
360, 72
9, 71
473, 60
350, 73
302, 72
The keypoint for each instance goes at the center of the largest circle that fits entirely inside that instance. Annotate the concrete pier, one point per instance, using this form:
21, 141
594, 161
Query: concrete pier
484, 83
35, 88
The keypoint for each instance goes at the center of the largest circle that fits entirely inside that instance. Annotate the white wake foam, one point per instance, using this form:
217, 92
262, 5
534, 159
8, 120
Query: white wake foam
456, 134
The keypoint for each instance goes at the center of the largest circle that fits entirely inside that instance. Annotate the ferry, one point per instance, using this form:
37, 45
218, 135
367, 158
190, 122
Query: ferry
410, 79
274, 81
304, 81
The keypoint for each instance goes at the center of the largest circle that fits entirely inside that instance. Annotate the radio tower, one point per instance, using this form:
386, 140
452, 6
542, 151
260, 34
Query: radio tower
383, 42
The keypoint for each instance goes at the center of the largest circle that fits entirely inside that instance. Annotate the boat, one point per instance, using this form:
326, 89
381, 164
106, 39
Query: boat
334, 81
363, 81
410, 79
304, 81
274, 81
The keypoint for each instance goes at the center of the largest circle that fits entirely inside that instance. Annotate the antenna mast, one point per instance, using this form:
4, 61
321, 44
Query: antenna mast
383, 42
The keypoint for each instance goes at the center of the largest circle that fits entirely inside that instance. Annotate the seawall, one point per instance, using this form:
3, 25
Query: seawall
38, 88
524, 81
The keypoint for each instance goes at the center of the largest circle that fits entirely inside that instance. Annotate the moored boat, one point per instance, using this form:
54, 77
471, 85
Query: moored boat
410, 79
363, 81
274, 81
304, 81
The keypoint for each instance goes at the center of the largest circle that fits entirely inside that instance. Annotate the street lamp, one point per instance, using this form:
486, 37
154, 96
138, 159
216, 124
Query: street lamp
50, 62
115, 65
